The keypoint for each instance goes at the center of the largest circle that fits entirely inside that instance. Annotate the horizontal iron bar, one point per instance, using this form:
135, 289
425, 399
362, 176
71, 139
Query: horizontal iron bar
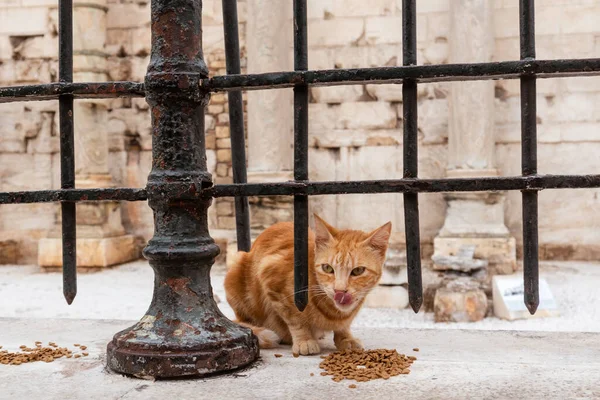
537, 182
420, 73
100, 90
493, 184
49, 196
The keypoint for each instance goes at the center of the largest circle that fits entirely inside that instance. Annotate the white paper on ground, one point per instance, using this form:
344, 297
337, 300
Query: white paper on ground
508, 291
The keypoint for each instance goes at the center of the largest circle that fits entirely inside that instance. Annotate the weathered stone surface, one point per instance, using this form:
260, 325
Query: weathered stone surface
460, 301
9, 252
462, 261
91, 253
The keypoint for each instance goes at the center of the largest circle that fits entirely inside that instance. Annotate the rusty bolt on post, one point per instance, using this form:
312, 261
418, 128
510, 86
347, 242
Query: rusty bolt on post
183, 332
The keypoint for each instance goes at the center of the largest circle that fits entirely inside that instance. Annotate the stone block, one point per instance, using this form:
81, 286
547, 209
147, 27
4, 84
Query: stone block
36, 47
89, 29
140, 41
128, 15
222, 132
337, 94
500, 253
354, 8
31, 21
428, 6
380, 30
387, 297
91, 253
385, 92
33, 71
224, 155
462, 261
460, 302
357, 115
9, 252
509, 302
335, 32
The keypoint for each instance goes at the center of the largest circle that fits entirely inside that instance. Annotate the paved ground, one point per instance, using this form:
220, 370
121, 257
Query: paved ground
124, 293
453, 364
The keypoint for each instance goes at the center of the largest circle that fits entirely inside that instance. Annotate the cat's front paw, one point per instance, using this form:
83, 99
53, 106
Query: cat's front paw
306, 347
349, 344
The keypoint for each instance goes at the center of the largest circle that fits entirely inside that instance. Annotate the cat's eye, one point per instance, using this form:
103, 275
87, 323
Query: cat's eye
358, 271
327, 268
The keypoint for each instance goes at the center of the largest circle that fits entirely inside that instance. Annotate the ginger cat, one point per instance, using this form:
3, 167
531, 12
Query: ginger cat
344, 265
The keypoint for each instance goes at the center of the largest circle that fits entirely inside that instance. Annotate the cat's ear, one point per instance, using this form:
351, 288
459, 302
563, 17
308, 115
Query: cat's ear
323, 232
380, 237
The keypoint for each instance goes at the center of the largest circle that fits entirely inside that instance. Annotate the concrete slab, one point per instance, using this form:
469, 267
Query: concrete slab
452, 364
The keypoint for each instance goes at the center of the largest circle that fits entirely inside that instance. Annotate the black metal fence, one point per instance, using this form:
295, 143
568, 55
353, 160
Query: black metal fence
183, 333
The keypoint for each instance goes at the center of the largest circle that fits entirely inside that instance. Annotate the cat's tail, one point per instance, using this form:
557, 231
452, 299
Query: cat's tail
267, 339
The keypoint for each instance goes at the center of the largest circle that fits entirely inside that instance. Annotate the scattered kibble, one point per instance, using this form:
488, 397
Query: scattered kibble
353, 386
278, 355
416, 349
83, 347
37, 353
365, 365
311, 374
85, 354
296, 355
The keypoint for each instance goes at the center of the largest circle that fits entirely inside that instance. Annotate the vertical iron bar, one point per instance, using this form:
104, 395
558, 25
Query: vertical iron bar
67, 149
300, 158
411, 200
529, 158
236, 123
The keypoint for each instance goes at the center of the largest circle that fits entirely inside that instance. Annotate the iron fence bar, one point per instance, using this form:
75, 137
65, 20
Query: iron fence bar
300, 157
500, 184
67, 150
529, 158
52, 91
410, 150
73, 195
421, 73
236, 123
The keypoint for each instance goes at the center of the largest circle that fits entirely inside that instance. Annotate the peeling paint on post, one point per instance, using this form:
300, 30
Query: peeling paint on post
183, 332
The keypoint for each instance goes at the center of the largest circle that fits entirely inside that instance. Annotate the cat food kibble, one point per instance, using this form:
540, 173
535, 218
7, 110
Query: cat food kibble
37, 353
365, 365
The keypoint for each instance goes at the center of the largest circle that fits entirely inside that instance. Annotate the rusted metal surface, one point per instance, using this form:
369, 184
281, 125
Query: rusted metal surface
193, 191
73, 195
52, 91
419, 73
183, 332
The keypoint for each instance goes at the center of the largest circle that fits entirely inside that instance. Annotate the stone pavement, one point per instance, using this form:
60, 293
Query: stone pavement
451, 364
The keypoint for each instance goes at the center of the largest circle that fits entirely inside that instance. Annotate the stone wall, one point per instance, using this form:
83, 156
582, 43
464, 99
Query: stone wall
356, 131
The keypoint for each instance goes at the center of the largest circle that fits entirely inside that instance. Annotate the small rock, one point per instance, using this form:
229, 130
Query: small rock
460, 303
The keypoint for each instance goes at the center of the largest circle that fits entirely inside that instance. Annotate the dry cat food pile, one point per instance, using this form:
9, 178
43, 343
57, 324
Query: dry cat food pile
39, 353
365, 365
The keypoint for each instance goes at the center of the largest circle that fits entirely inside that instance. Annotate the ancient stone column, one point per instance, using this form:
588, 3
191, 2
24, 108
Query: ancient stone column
473, 218
102, 240
269, 43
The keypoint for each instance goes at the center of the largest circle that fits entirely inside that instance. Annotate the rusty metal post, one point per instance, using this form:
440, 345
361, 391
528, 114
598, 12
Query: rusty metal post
183, 332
